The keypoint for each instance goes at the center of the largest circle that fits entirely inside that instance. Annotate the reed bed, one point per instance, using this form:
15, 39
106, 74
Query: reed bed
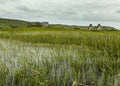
59, 58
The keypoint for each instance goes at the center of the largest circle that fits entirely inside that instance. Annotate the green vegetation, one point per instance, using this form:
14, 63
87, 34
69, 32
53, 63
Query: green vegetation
8, 23
12, 23
101, 40
56, 56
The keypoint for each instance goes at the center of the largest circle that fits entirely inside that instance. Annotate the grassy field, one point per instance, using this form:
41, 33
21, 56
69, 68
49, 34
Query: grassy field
59, 57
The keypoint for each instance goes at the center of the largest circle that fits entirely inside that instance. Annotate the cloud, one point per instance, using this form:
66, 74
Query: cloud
70, 11
6, 1
118, 11
26, 9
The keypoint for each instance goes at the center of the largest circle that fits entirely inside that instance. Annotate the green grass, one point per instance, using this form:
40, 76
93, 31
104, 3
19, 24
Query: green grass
101, 40
58, 65
58, 57
5, 23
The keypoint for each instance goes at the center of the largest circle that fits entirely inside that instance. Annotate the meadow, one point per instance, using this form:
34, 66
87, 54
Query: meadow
59, 57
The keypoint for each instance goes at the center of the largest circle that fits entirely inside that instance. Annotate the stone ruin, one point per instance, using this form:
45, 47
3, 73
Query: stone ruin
90, 27
45, 24
99, 27
39, 24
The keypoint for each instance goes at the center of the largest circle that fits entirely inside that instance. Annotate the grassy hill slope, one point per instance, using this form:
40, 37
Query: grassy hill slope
8, 23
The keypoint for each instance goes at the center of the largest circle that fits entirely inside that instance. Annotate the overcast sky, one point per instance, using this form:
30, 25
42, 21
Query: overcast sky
80, 12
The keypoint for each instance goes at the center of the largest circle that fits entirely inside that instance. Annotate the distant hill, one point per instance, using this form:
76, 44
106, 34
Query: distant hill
58, 26
13, 23
6, 23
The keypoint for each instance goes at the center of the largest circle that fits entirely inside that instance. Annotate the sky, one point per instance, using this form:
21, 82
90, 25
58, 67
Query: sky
72, 12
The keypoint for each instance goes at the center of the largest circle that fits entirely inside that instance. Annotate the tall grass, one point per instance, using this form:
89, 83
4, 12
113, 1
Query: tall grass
55, 65
103, 40
59, 58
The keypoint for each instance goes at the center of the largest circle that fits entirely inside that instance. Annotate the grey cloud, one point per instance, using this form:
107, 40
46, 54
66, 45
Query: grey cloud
5, 1
71, 12
62, 10
118, 11
26, 9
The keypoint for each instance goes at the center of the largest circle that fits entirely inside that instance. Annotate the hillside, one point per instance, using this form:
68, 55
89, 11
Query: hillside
13, 23
6, 23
